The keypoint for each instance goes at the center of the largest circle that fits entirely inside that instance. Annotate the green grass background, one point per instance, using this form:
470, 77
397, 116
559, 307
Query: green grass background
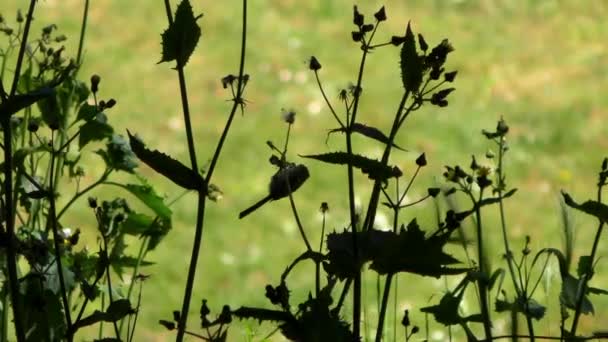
542, 65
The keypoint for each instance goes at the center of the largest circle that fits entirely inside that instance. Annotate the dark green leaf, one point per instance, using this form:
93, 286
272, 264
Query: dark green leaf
584, 266
411, 65
368, 131
94, 130
117, 310
594, 208
86, 112
446, 312
371, 167
15, 103
568, 295
180, 39
177, 172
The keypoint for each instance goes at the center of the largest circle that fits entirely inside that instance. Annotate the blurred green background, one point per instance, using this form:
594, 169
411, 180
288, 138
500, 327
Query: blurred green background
542, 65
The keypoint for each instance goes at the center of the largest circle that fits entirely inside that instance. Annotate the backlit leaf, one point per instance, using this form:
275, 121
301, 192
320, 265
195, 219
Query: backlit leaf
371, 167
180, 39
411, 65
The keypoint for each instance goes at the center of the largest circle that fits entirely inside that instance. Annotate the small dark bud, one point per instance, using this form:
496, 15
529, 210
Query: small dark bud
167, 324
423, 45
73, 239
324, 207
397, 172
605, 164
469, 179
61, 38
33, 126
357, 17
228, 80
421, 160
314, 64
357, 36
406, 319
111, 103
176, 315
274, 160
95, 79
54, 126
93, 202
501, 127
226, 316
450, 76
474, 165
415, 329
367, 28
433, 192
7, 30
204, 309
19, 16
380, 15
397, 40
101, 105
483, 181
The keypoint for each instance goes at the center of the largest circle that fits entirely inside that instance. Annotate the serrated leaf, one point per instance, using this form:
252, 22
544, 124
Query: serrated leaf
410, 63
584, 266
177, 172
180, 39
368, 131
118, 309
144, 225
593, 208
15, 103
371, 167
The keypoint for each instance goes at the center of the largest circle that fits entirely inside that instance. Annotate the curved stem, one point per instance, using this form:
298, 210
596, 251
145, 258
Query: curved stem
79, 194
483, 289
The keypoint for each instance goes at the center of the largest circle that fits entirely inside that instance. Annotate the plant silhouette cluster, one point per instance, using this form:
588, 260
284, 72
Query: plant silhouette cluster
54, 287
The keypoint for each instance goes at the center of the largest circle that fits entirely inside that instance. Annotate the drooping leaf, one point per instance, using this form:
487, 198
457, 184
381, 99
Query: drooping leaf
148, 196
115, 312
17, 102
410, 63
446, 312
118, 154
180, 39
593, 208
368, 131
371, 167
177, 172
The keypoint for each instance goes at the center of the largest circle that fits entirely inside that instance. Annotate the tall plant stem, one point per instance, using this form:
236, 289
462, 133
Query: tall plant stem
202, 192
83, 30
482, 283
383, 307
585, 278
8, 188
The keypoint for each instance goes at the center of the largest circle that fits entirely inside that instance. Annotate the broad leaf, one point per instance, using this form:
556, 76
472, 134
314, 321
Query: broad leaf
180, 39
593, 208
368, 131
177, 172
86, 112
371, 167
411, 65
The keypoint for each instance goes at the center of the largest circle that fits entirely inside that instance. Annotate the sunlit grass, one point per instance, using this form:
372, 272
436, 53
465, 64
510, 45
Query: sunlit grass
540, 65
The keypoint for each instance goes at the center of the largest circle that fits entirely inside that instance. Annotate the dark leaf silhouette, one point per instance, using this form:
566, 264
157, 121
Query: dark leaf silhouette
180, 39
371, 167
593, 208
115, 312
94, 130
368, 131
177, 172
411, 65
148, 196
389, 252
15, 103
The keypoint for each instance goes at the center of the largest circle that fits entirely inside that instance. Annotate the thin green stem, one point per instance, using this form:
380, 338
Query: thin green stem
483, 289
79, 194
83, 28
238, 101
57, 250
585, 278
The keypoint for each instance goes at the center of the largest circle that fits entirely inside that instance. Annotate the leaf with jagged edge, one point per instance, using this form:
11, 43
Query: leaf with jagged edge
593, 208
180, 39
15, 103
177, 172
368, 131
410, 63
375, 169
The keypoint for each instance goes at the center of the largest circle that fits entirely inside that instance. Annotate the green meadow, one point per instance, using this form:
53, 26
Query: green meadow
540, 64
